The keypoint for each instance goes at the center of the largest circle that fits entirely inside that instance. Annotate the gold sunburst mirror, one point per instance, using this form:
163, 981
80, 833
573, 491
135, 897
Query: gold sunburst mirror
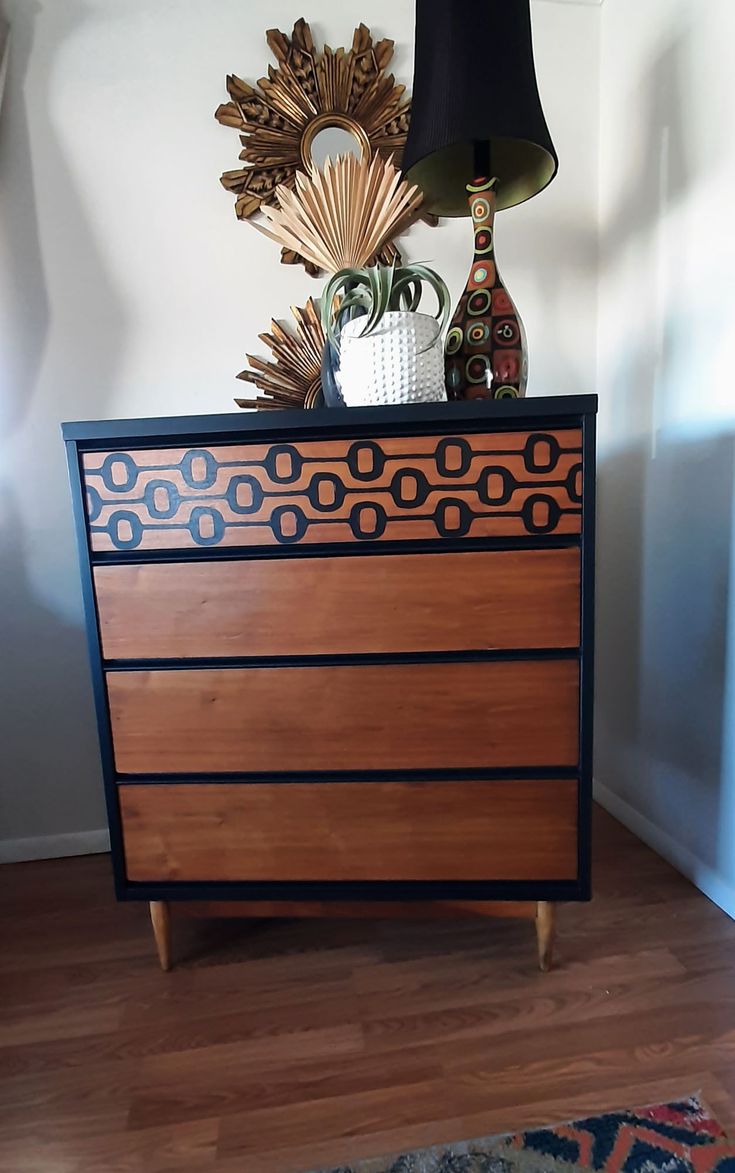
312, 105
293, 377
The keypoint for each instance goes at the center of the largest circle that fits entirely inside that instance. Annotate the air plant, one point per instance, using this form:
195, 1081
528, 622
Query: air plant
375, 290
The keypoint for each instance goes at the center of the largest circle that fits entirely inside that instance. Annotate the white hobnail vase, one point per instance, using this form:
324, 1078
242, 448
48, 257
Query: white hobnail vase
401, 361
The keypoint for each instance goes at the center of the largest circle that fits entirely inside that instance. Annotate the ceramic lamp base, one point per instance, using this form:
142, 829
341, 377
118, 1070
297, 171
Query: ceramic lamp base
485, 350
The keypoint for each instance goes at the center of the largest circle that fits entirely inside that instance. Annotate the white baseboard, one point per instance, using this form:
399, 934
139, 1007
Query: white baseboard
703, 877
54, 846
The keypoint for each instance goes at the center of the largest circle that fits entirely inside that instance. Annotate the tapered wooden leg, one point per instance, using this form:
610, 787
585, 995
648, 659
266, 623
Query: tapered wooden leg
545, 933
161, 921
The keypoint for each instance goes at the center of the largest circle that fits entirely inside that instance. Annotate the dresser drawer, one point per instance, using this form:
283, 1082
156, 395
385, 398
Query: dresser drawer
340, 606
498, 484
371, 717
510, 830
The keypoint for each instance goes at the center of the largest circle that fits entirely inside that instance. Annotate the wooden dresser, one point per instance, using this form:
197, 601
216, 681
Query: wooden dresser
342, 660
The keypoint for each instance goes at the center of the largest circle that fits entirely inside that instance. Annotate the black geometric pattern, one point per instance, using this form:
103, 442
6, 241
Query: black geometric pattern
363, 491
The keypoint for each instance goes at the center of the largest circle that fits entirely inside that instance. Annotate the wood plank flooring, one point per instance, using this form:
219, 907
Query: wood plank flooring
279, 1047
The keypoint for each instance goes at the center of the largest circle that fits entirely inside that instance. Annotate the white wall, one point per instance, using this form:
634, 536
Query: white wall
127, 288
666, 665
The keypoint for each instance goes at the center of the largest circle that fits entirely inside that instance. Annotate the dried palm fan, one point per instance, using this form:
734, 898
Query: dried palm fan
344, 216
294, 377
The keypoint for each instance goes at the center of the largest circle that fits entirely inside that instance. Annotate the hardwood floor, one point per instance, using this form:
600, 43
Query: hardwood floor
278, 1047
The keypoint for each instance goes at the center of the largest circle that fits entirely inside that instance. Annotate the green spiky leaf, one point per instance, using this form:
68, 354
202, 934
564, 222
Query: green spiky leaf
376, 290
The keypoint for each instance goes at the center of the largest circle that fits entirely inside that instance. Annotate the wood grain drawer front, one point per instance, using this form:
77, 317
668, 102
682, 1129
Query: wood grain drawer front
372, 717
499, 484
340, 606
515, 830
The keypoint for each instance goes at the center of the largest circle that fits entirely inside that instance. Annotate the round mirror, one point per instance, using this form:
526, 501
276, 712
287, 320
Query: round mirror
330, 135
332, 141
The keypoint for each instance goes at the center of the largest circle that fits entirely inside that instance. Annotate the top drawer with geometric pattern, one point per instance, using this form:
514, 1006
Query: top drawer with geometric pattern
408, 488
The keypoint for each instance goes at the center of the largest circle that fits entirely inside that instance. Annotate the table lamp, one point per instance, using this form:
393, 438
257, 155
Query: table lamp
478, 142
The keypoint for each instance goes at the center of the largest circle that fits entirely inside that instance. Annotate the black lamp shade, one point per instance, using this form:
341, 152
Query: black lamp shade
475, 84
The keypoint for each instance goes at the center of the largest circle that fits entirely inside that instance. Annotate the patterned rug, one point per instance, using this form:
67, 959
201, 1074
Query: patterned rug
681, 1137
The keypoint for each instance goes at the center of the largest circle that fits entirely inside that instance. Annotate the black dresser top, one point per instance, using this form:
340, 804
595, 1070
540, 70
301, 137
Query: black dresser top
536, 412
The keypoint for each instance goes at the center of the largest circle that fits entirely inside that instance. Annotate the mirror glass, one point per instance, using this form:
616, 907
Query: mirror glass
333, 141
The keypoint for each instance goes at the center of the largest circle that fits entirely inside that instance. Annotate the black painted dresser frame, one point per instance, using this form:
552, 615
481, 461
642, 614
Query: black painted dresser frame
351, 423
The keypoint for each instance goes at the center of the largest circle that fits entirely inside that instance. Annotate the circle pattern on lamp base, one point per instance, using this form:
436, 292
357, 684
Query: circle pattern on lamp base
485, 349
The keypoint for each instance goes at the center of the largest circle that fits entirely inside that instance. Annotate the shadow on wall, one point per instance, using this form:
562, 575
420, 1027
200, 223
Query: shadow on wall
33, 164
573, 259
50, 766
26, 314
663, 603
665, 513
661, 104
64, 329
